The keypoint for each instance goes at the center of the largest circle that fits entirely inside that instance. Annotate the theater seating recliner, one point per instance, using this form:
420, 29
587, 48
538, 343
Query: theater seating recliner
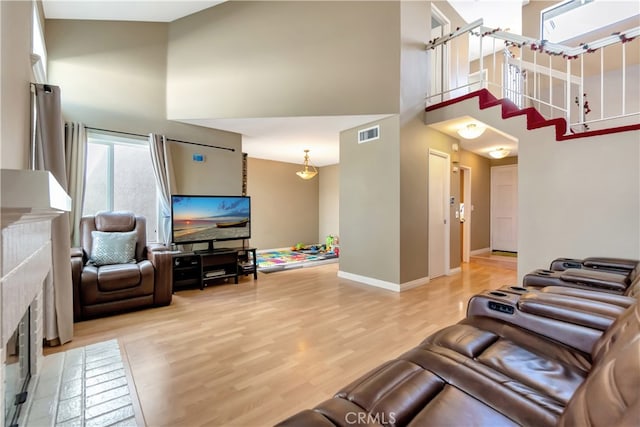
489, 371
614, 265
611, 275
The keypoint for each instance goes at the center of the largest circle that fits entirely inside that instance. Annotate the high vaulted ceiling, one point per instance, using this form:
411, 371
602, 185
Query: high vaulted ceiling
280, 138
124, 10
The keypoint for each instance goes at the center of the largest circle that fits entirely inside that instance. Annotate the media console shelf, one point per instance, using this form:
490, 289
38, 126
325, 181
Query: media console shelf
200, 269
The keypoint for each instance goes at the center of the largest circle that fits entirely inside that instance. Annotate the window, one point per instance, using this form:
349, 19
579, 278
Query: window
120, 177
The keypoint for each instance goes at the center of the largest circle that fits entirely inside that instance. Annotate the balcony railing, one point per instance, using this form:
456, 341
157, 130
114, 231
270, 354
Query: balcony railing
588, 85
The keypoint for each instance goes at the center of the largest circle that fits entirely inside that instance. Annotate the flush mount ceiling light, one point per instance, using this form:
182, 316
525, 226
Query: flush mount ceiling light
499, 153
309, 171
471, 131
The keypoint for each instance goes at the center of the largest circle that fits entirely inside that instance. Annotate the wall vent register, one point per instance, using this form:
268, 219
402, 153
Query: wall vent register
369, 134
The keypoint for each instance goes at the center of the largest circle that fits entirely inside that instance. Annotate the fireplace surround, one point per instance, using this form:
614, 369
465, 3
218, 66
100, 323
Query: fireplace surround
30, 200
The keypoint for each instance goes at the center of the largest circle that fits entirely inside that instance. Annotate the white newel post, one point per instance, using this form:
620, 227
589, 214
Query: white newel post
30, 200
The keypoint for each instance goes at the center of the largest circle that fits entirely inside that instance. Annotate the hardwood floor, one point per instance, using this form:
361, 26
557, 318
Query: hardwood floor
254, 353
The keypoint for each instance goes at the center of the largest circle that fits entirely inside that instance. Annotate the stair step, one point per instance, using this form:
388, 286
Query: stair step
535, 120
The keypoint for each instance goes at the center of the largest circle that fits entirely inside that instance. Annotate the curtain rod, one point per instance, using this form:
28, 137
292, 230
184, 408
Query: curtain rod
168, 139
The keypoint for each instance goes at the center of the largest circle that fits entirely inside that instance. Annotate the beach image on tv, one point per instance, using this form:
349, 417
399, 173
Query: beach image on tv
210, 218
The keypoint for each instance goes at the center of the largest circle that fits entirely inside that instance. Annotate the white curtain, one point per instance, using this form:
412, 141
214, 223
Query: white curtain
48, 146
165, 183
75, 150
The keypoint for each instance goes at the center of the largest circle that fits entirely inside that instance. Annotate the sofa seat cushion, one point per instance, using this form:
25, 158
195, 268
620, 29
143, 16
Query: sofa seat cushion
118, 277
484, 371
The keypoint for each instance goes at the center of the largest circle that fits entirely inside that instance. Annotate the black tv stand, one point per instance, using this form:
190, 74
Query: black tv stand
204, 267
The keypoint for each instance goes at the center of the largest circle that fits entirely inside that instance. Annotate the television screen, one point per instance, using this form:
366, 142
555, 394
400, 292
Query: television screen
210, 218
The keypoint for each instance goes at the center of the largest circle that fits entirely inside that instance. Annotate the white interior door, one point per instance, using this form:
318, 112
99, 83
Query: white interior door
438, 214
504, 208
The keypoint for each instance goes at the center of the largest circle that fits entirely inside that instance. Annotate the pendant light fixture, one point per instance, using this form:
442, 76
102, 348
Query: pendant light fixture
309, 171
471, 131
499, 153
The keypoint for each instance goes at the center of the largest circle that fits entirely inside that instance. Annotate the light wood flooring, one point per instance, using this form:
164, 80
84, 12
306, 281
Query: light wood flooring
487, 258
254, 353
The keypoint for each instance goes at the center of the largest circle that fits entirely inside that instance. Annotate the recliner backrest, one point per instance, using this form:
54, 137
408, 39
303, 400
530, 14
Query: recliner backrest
611, 393
113, 222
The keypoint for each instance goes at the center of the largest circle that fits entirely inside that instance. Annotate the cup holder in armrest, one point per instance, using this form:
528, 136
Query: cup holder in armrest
544, 272
518, 289
497, 294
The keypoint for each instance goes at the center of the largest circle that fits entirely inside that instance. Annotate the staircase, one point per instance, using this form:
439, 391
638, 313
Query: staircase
535, 120
548, 82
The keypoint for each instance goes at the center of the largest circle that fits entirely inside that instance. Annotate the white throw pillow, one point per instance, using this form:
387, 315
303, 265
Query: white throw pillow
113, 248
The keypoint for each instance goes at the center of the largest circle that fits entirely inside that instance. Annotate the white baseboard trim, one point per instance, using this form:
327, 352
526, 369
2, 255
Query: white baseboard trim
395, 287
480, 251
414, 283
453, 271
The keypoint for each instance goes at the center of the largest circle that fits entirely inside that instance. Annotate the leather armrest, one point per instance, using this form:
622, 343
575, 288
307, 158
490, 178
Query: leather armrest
596, 279
77, 252
622, 264
507, 308
77, 264
614, 299
161, 258
578, 311
157, 247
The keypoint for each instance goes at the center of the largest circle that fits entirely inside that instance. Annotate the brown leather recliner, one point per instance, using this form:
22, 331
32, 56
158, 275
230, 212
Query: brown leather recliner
100, 290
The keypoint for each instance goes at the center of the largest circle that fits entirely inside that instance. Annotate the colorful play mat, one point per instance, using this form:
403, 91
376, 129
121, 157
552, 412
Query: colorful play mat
278, 260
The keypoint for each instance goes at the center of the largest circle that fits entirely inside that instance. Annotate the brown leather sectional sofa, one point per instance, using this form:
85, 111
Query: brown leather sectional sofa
521, 357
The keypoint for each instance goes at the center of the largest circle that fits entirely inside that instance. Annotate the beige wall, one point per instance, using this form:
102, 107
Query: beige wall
284, 208
369, 203
329, 202
15, 54
113, 76
480, 209
276, 59
513, 160
578, 198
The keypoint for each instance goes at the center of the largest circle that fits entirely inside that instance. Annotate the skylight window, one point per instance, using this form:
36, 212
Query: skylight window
573, 20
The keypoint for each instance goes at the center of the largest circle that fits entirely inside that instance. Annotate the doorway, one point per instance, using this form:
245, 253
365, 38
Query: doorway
504, 208
438, 213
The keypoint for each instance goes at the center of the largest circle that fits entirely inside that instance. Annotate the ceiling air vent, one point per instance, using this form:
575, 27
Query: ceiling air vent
369, 134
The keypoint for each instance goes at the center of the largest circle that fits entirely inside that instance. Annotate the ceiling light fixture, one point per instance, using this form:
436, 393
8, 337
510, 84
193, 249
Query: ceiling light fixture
309, 171
471, 131
499, 153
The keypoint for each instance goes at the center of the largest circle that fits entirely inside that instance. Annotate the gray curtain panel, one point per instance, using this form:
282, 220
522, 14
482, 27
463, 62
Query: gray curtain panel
165, 183
75, 147
49, 155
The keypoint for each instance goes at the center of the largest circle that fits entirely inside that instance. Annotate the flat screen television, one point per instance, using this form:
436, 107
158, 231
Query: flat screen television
197, 219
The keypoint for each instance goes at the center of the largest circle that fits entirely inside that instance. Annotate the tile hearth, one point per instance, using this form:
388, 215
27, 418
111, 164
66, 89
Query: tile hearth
83, 387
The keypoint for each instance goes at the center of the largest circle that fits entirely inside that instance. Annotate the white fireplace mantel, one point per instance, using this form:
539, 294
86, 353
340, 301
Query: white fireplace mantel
31, 195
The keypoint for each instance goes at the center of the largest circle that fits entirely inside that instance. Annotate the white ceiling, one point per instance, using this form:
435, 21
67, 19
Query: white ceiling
124, 10
491, 139
283, 138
